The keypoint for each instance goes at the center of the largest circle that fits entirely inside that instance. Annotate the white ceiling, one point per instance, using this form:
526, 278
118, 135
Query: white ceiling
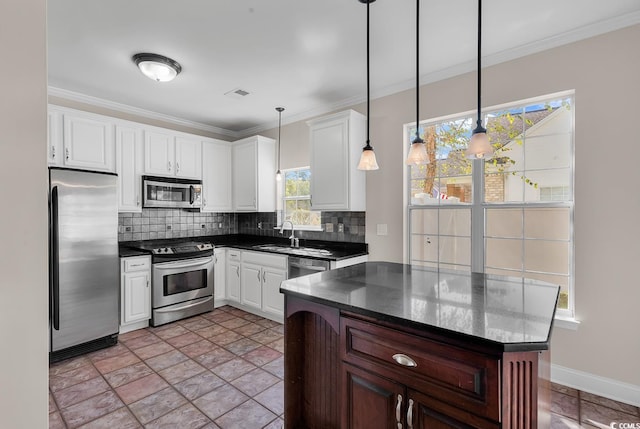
308, 56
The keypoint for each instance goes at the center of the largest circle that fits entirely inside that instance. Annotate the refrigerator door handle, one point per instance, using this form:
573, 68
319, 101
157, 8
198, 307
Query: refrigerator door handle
55, 267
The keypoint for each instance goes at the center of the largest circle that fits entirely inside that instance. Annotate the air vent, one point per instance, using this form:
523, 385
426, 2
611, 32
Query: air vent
237, 93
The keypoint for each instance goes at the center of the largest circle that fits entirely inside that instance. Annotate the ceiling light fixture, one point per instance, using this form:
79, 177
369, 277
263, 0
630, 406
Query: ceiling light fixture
278, 173
479, 145
157, 67
368, 157
418, 151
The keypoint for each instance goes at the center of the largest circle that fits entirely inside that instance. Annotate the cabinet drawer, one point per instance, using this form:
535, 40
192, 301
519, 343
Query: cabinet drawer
265, 259
233, 255
137, 264
467, 379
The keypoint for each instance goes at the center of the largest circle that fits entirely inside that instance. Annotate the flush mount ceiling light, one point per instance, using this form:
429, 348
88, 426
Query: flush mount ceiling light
278, 173
368, 157
418, 151
479, 145
157, 67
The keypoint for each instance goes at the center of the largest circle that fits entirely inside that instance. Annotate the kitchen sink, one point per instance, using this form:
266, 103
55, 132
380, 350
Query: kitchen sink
298, 251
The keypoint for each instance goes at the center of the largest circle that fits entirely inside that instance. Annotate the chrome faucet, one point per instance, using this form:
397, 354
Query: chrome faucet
295, 242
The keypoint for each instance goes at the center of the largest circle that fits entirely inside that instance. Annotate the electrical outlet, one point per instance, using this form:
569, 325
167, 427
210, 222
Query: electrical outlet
328, 227
259, 225
220, 225
168, 227
203, 226
127, 229
340, 227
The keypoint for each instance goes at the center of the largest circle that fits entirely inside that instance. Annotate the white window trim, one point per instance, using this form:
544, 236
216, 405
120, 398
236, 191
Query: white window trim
565, 319
280, 204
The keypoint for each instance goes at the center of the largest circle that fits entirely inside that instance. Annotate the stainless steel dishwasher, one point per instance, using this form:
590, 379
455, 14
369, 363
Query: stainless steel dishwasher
303, 266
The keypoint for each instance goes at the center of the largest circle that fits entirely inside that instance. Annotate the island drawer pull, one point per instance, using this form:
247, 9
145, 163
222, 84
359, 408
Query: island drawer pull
404, 360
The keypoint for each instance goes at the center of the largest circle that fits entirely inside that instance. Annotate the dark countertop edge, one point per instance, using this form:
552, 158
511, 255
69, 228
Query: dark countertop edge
468, 338
345, 250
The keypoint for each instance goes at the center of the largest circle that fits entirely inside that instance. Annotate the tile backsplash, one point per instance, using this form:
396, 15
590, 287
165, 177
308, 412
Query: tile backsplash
154, 224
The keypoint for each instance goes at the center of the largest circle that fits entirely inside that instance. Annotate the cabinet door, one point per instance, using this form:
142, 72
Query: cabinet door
88, 143
188, 158
424, 412
158, 153
129, 160
219, 274
371, 401
233, 281
251, 285
244, 177
329, 146
137, 297
54, 140
216, 177
272, 299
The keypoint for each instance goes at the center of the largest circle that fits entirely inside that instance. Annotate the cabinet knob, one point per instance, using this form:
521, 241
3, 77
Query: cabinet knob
398, 411
404, 360
410, 414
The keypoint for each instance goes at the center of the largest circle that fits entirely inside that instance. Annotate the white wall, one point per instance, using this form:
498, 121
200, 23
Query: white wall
23, 216
603, 71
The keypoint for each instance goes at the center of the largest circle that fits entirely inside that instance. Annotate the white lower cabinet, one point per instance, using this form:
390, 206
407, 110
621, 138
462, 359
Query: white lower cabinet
135, 292
261, 276
233, 275
219, 276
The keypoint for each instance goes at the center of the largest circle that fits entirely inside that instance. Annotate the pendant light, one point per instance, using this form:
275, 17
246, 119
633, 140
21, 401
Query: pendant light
418, 151
368, 157
157, 67
278, 173
479, 145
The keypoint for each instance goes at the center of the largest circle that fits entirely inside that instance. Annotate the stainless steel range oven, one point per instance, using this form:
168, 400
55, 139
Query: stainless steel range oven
181, 281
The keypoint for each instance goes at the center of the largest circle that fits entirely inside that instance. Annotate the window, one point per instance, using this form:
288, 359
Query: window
508, 215
297, 198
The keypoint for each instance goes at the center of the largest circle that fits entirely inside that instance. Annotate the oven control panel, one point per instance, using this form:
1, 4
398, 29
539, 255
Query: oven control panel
163, 251
204, 246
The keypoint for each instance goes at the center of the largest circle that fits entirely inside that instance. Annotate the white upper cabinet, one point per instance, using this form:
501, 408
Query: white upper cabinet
129, 166
254, 174
188, 158
80, 140
216, 176
168, 155
54, 132
336, 142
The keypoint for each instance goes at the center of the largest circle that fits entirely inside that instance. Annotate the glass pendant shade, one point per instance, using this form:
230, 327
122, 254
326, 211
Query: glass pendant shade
368, 160
157, 67
278, 176
417, 153
479, 146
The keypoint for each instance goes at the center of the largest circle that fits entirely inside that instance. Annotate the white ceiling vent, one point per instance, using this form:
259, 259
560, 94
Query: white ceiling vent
237, 93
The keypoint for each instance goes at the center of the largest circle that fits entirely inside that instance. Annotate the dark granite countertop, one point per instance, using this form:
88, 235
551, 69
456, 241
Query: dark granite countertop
339, 250
513, 313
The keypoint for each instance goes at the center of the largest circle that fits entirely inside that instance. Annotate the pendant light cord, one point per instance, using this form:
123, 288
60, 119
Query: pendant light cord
368, 85
418, 139
479, 61
280, 110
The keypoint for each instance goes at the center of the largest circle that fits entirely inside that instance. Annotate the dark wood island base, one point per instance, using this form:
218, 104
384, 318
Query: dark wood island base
347, 368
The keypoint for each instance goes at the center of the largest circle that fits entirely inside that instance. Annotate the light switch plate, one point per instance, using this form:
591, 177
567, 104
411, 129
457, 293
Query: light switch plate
381, 229
328, 227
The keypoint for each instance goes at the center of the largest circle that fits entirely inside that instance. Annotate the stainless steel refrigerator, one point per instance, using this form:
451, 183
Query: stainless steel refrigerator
84, 268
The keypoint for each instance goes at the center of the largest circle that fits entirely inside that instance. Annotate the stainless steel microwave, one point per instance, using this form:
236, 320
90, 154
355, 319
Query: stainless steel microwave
171, 193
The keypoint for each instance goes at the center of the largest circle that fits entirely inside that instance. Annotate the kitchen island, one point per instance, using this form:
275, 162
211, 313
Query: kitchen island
386, 345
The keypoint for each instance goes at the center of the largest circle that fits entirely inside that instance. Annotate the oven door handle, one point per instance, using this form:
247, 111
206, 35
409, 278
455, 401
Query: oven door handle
182, 264
190, 304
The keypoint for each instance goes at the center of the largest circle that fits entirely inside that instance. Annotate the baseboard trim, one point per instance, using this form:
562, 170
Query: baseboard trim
602, 386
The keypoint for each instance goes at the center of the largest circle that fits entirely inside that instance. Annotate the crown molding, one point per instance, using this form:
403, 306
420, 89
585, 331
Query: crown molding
125, 108
572, 36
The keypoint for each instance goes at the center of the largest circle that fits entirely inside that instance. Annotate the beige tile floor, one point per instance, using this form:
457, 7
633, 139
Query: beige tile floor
224, 370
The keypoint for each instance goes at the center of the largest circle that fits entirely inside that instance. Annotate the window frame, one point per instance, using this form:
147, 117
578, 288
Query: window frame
282, 201
479, 207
